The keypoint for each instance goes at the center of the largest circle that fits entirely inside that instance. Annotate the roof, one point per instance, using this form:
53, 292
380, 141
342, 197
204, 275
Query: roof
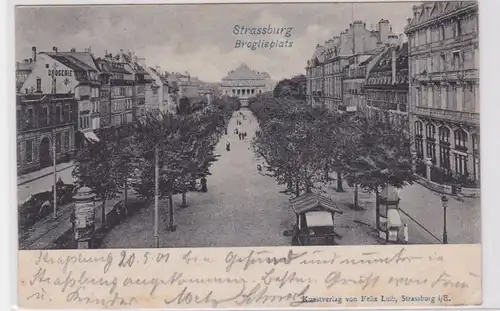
69, 61
430, 10
310, 201
243, 72
385, 61
84, 57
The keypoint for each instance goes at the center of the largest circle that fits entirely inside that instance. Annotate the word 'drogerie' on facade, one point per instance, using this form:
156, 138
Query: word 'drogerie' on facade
241, 30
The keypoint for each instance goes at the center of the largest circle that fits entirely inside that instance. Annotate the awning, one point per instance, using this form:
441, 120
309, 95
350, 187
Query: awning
319, 219
393, 219
91, 136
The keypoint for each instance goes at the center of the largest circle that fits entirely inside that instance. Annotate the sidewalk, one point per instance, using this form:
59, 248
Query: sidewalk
26, 178
357, 227
46, 231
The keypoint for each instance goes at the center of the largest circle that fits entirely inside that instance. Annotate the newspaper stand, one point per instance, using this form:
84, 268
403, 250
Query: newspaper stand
315, 219
84, 218
389, 217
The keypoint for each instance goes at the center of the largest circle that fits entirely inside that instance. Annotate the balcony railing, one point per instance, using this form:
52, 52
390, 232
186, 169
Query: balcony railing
458, 116
450, 75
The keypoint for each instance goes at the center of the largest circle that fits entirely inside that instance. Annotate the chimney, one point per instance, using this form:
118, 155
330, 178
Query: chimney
393, 53
383, 30
417, 9
393, 40
54, 48
336, 40
33, 53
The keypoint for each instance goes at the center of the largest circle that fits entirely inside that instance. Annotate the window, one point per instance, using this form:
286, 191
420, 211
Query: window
458, 28
58, 143
430, 131
19, 153
84, 121
39, 85
444, 147
456, 60
418, 139
29, 151
58, 114
475, 157
30, 119
18, 119
66, 141
443, 62
461, 140
461, 164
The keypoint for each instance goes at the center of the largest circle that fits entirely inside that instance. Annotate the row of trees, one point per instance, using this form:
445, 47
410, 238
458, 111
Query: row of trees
304, 147
169, 150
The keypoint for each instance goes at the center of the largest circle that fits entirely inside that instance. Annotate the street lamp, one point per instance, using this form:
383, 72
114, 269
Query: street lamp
444, 202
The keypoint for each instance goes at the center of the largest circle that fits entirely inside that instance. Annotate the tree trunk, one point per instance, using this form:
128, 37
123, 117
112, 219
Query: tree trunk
356, 206
184, 203
126, 197
103, 214
170, 212
340, 188
297, 188
377, 210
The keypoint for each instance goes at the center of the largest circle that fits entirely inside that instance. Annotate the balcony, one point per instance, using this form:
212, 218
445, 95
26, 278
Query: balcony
451, 75
448, 115
450, 43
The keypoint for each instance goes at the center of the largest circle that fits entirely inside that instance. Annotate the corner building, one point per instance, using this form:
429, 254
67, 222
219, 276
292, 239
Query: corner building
444, 89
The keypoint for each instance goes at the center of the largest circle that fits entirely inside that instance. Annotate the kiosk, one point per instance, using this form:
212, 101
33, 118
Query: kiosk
84, 218
315, 219
389, 217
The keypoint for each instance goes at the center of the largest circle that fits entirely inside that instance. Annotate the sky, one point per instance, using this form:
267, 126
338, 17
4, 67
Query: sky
198, 38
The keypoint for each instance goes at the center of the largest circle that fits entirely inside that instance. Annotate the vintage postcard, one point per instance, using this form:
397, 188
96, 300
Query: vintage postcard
269, 155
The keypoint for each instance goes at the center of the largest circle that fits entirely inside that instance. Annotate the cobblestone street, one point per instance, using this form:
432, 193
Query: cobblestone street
241, 208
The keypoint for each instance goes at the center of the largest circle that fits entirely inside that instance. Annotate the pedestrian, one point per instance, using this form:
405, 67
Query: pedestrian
228, 145
405, 234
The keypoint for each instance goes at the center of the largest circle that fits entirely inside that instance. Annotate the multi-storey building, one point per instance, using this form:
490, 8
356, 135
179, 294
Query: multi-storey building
69, 73
325, 70
43, 120
122, 93
386, 87
157, 94
355, 76
444, 89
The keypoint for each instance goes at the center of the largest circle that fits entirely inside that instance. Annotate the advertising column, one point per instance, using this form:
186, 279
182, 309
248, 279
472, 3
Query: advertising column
84, 218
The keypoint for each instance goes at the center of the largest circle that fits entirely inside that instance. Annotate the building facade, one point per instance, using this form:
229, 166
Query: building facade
386, 87
43, 120
354, 80
444, 90
326, 69
245, 83
69, 73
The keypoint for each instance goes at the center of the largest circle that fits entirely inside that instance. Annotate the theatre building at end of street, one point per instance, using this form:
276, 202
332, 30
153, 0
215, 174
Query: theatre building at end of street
444, 90
245, 83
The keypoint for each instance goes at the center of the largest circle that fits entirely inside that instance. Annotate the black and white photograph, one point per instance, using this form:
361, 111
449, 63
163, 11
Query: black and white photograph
247, 125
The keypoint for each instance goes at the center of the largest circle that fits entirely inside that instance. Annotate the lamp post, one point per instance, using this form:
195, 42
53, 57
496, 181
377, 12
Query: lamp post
444, 202
54, 163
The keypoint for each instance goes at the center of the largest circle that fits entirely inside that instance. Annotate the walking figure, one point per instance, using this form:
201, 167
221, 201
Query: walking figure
228, 145
405, 234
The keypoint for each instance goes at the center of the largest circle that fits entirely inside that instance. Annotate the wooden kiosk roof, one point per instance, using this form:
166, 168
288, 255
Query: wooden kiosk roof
311, 201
